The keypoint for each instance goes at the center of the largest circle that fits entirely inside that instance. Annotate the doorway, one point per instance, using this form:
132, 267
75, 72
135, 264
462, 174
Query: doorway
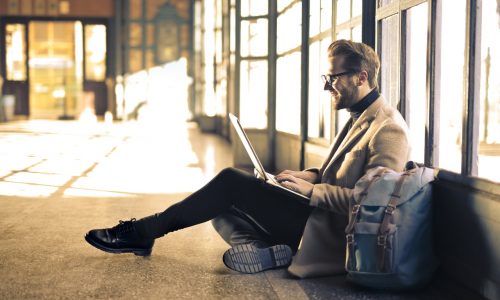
55, 69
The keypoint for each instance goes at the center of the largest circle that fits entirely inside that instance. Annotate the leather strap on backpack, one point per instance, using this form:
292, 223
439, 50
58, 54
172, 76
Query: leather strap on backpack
354, 216
384, 226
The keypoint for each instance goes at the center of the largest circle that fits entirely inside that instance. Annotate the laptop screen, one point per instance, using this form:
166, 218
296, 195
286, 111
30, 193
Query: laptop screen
248, 146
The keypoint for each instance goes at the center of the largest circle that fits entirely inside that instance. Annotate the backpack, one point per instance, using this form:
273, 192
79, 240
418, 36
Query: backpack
389, 235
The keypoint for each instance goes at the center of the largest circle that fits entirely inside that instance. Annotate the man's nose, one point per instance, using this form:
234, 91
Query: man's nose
327, 87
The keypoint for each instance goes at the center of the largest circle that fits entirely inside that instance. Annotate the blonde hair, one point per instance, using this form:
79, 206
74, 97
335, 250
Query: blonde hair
357, 57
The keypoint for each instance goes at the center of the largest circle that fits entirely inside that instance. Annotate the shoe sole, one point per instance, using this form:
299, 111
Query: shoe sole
250, 259
136, 251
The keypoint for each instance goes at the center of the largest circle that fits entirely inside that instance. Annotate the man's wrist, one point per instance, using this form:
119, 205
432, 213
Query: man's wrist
315, 171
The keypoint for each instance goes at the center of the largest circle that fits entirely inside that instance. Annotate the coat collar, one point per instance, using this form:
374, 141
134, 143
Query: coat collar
357, 130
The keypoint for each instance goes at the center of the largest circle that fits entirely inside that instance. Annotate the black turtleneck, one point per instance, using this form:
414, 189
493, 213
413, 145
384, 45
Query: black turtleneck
357, 109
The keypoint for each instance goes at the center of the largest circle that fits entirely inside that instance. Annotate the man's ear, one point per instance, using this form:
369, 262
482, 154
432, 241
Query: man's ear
362, 77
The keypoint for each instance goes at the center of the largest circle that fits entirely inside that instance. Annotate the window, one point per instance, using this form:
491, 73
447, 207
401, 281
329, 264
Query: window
253, 8
348, 20
221, 60
209, 104
451, 89
199, 80
489, 126
15, 40
95, 52
288, 93
319, 103
288, 68
253, 66
253, 89
416, 74
254, 37
389, 59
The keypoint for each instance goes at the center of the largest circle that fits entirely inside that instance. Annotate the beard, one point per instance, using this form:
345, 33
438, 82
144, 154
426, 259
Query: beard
345, 96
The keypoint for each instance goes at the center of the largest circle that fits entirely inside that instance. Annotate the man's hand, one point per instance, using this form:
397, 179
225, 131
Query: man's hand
295, 184
310, 177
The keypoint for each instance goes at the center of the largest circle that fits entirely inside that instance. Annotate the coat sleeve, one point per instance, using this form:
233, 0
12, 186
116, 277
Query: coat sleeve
388, 148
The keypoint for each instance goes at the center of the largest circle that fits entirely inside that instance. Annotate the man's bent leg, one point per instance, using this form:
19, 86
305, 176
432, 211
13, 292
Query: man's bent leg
236, 228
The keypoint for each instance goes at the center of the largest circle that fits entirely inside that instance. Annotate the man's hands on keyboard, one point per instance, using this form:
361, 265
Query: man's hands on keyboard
295, 184
308, 176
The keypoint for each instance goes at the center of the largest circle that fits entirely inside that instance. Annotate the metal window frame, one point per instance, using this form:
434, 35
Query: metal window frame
472, 79
304, 81
271, 88
433, 83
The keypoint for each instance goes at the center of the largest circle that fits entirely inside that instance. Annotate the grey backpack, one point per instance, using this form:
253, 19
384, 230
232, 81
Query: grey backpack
389, 235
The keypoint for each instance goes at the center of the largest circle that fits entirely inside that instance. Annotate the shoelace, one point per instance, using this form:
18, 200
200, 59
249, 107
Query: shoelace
124, 226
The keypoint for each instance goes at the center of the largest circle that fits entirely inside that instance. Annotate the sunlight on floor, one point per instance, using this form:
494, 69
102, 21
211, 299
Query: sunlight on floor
41, 158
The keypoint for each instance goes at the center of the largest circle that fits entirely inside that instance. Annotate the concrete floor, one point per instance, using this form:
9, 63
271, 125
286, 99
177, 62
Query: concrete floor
59, 179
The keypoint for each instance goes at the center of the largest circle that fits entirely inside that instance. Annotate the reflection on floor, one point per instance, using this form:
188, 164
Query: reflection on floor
58, 179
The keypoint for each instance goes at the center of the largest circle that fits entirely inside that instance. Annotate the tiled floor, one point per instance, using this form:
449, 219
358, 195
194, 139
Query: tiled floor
58, 179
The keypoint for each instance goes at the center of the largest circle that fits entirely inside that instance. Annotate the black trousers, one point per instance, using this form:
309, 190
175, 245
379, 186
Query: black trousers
243, 209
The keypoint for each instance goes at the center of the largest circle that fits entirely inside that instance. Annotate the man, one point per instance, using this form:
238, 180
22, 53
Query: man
263, 225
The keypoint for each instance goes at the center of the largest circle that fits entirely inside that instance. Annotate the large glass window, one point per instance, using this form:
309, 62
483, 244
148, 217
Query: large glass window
253, 66
253, 90
389, 59
210, 103
220, 60
289, 28
451, 89
489, 127
199, 80
95, 52
254, 37
15, 41
253, 8
319, 103
416, 73
288, 68
348, 20
282, 4
288, 93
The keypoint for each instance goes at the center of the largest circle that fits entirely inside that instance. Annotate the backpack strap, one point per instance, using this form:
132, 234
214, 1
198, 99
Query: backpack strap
384, 226
354, 216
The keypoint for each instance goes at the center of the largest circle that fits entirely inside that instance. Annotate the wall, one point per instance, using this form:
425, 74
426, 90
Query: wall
58, 8
287, 152
467, 231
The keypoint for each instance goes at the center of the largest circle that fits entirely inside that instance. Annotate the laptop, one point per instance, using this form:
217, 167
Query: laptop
268, 178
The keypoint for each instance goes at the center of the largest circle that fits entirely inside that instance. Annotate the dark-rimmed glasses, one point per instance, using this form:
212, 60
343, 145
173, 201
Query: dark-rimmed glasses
331, 78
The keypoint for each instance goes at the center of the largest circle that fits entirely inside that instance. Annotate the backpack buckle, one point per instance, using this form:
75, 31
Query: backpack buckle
382, 240
355, 209
350, 238
390, 209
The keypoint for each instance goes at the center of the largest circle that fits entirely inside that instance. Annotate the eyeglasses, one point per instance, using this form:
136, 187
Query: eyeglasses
331, 78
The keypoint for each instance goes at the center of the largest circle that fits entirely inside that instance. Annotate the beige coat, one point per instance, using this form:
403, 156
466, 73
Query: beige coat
378, 138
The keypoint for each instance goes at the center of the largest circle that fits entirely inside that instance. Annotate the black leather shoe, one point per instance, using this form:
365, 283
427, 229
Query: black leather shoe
123, 238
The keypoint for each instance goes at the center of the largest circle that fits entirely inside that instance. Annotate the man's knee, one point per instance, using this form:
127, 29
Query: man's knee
218, 223
234, 177
230, 171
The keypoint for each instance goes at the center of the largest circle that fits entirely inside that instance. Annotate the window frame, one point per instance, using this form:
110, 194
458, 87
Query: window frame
470, 113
